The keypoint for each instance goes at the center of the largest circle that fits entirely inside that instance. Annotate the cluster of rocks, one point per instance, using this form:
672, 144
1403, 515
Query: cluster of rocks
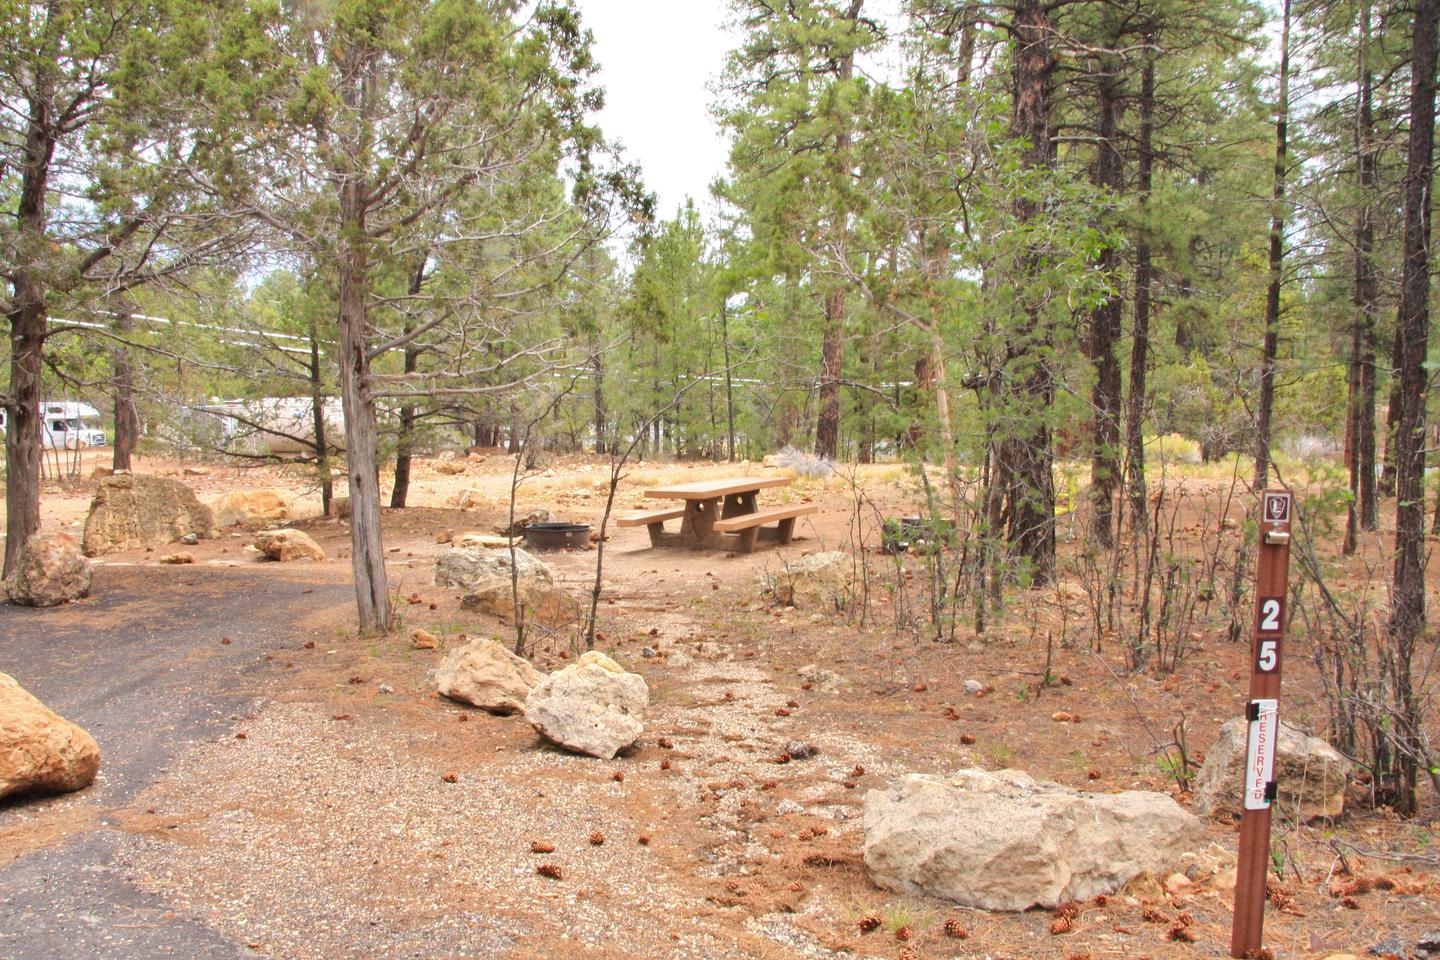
593, 706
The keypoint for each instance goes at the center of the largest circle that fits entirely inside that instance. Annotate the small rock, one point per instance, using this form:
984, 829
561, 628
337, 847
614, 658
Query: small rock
1389, 947
1429, 942
521, 522
485, 674
450, 468
648, 653
826, 681
679, 659
286, 545
973, 687
490, 541
197, 472
788, 807
1311, 774
52, 571
800, 750
445, 536
1060, 716
190, 539
423, 639
184, 556
385, 688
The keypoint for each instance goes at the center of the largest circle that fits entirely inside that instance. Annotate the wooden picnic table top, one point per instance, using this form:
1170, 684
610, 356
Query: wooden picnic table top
713, 489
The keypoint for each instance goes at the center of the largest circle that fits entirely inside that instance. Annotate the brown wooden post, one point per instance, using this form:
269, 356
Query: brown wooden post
1272, 573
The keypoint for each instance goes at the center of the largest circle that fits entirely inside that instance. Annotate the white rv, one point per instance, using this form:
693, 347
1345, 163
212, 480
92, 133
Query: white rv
66, 424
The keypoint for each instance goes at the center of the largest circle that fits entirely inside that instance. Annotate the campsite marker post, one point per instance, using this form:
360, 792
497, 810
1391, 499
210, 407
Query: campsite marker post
1272, 573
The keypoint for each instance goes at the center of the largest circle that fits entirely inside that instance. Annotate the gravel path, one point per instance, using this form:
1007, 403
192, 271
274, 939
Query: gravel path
145, 666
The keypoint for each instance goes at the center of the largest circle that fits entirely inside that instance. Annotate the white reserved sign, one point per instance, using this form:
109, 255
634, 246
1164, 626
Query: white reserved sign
1260, 755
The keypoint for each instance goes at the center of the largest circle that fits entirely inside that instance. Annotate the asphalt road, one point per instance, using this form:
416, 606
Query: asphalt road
142, 664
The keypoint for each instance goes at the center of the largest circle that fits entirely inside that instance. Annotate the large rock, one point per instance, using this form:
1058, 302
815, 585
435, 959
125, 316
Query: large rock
1004, 841
286, 545
470, 568
52, 571
485, 674
592, 706
817, 580
546, 605
450, 468
244, 506
474, 538
136, 510
40, 751
1310, 774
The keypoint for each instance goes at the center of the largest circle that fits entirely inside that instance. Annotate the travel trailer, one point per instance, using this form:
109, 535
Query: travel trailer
67, 424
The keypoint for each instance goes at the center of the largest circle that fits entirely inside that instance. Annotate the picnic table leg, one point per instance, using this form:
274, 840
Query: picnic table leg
738, 504
786, 531
697, 529
747, 538
657, 532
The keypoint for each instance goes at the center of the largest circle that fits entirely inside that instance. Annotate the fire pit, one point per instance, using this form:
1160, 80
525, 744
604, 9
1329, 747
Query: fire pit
556, 536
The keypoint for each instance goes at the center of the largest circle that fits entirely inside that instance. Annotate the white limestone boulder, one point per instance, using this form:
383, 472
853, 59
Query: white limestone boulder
1005, 841
593, 706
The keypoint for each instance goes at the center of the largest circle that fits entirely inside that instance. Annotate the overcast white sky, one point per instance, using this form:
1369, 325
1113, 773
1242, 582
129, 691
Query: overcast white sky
656, 57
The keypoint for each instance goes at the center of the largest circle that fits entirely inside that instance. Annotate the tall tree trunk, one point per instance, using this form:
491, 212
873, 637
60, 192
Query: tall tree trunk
1105, 326
1363, 511
1407, 604
28, 328
317, 418
1144, 277
1027, 456
832, 345
127, 421
405, 439
367, 552
597, 393
729, 386
1271, 348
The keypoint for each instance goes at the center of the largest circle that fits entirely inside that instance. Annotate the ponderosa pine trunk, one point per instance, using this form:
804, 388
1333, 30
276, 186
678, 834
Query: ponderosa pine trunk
1271, 348
1407, 593
832, 346
1144, 278
1105, 327
1363, 510
317, 419
1026, 455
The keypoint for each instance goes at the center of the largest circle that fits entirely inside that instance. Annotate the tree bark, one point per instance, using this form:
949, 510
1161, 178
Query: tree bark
1407, 605
28, 328
127, 421
1027, 456
1144, 278
1105, 326
405, 439
1363, 511
367, 552
317, 417
729, 386
827, 423
1271, 347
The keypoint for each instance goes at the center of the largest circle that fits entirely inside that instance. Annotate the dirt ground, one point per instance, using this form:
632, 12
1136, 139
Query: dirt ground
351, 812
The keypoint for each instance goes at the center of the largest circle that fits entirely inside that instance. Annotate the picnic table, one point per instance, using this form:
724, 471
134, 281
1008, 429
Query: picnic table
718, 514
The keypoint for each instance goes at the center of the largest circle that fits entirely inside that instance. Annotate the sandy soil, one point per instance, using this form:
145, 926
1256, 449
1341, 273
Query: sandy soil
329, 825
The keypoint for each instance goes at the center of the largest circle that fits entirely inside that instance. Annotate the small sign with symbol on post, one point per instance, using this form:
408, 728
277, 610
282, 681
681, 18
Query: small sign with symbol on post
1272, 574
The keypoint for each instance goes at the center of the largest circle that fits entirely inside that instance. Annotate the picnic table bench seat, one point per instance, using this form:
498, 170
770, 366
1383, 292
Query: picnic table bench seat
749, 525
654, 520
